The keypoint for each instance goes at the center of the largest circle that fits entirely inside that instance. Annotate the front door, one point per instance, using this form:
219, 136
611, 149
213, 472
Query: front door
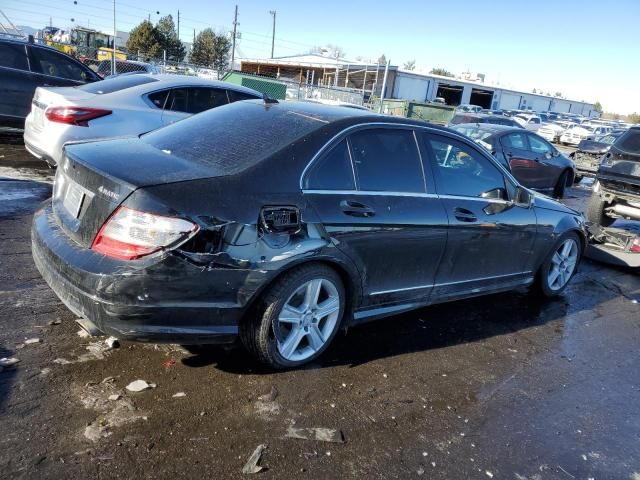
490, 240
371, 194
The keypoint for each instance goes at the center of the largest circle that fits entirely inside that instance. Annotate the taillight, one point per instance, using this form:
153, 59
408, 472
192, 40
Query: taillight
129, 234
79, 116
635, 246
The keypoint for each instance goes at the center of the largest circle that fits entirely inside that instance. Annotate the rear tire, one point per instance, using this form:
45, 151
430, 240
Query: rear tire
560, 265
595, 211
291, 326
558, 191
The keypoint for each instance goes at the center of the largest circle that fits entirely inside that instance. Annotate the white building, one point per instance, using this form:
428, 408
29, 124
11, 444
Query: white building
426, 87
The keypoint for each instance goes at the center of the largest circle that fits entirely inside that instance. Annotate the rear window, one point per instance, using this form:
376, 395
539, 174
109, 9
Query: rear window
116, 84
472, 132
629, 142
234, 137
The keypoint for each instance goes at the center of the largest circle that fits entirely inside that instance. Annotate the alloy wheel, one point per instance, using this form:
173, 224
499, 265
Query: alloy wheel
563, 264
307, 319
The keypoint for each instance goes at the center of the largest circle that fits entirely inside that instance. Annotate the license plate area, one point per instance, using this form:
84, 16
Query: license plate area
73, 198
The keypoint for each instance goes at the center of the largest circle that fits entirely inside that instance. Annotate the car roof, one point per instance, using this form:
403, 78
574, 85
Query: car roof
174, 80
493, 127
18, 41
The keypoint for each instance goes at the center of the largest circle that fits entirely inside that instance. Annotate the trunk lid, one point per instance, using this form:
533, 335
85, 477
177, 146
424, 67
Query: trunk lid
95, 178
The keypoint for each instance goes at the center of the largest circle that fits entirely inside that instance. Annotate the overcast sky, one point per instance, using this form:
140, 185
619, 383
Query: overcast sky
584, 49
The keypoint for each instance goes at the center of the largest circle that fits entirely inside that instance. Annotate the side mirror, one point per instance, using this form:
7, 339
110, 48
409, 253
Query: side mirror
495, 194
523, 197
548, 155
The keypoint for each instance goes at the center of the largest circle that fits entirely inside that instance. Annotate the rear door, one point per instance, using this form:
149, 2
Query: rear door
490, 241
16, 83
373, 197
186, 101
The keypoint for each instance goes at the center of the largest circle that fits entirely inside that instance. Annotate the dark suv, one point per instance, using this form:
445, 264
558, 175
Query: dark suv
616, 192
26, 66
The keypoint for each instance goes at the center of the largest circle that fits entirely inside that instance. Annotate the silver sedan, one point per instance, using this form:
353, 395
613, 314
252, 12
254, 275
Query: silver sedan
118, 106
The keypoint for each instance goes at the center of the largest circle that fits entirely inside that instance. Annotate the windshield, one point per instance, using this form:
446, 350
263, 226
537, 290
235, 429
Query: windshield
630, 142
608, 139
472, 132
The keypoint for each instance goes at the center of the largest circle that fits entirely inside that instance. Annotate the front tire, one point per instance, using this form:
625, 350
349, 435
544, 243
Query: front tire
595, 211
297, 318
560, 265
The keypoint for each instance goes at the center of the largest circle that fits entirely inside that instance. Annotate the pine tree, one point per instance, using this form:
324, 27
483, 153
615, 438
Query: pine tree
168, 39
144, 40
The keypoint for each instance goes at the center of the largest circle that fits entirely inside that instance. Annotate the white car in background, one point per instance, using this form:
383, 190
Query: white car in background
574, 135
119, 106
551, 131
529, 121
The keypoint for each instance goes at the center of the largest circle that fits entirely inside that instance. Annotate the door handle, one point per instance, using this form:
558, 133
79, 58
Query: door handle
464, 215
356, 209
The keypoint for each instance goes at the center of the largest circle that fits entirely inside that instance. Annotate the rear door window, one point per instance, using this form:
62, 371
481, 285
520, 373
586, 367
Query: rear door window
387, 160
462, 170
159, 98
196, 99
13, 56
235, 96
55, 64
333, 171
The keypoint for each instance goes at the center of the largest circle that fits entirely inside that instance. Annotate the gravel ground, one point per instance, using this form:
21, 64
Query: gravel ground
506, 386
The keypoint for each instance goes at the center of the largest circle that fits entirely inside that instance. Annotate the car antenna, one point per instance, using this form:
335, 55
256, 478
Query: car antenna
268, 100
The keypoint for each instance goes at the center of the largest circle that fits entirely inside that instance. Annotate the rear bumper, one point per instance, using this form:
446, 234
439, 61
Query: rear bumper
166, 301
39, 154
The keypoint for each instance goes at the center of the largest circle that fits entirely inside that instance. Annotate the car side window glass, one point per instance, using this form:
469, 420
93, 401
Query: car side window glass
158, 98
178, 101
56, 65
13, 56
235, 96
333, 171
462, 170
515, 140
537, 145
204, 98
387, 160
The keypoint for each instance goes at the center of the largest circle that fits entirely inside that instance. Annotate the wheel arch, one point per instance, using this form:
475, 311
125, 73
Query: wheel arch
348, 274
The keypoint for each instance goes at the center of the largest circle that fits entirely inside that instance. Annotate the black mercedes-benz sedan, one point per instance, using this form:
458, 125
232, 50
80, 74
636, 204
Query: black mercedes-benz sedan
281, 223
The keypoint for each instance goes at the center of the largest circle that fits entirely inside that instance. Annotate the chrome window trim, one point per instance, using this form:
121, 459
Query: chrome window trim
370, 192
395, 290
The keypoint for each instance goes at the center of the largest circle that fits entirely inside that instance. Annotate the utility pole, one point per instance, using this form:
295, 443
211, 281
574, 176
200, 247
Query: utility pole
273, 35
178, 24
233, 47
115, 34
384, 85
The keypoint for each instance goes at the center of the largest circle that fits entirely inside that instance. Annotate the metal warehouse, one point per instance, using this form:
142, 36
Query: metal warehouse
407, 85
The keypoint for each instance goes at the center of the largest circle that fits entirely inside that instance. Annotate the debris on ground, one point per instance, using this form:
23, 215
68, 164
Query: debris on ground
139, 386
489, 474
179, 395
115, 397
8, 362
271, 396
169, 363
57, 321
62, 361
45, 371
317, 433
112, 342
31, 341
252, 464
83, 333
